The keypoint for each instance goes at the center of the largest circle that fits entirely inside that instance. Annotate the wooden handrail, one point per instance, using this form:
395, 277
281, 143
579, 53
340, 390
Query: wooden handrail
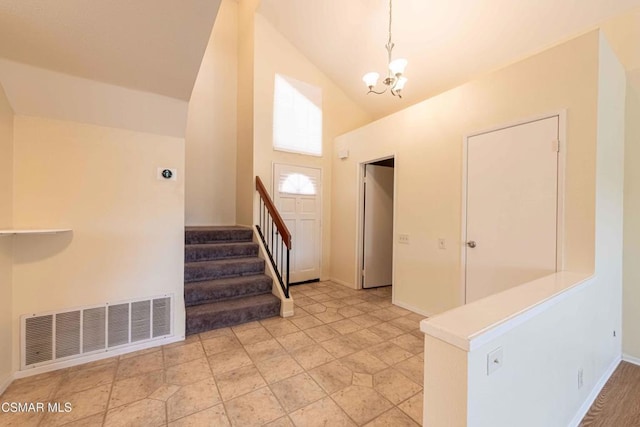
277, 219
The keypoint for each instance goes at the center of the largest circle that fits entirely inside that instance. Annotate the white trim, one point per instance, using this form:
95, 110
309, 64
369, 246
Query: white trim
343, 283
6, 382
28, 372
562, 136
631, 359
412, 308
595, 391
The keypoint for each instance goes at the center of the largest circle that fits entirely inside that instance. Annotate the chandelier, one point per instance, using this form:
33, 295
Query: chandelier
394, 81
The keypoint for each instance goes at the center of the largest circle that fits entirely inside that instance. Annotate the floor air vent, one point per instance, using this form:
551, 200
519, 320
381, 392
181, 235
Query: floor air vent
53, 337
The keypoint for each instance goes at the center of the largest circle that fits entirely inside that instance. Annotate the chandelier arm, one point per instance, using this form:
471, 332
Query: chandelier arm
377, 93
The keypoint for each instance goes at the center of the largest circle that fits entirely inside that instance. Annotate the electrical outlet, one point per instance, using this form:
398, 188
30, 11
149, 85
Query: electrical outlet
403, 238
580, 378
495, 360
442, 244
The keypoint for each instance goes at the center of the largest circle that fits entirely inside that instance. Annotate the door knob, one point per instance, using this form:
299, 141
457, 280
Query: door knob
471, 244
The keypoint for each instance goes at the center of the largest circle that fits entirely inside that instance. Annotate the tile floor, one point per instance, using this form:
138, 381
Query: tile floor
346, 358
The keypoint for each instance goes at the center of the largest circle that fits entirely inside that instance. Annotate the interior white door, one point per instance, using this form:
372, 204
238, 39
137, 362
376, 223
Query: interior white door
511, 207
298, 199
378, 226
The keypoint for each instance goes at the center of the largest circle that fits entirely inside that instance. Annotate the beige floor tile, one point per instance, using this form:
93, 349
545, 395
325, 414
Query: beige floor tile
353, 300
281, 327
278, 368
334, 303
386, 330
332, 376
87, 378
44, 378
412, 368
186, 353
216, 333
246, 326
187, 373
341, 346
392, 418
321, 413
39, 389
363, 362
145, 412
362, 404
303, 301
366, 320
345, 326
140, 353
394, 386
20, 419
139, 365
280, 422
83, 404
192, 398
254, 409
405, 323
265, 350
367, 307
296, 392
221, 344
312, 356
321, 333
321, 297
164, 392
92, 421
295, 341
364, 338
315, 308
364, 380
409, 342
212, 417
135, 388
229, 360
390, 353
238, 382
385, 314
349, 311
188, 340
413, 407
306, 322
253, 335
329, 316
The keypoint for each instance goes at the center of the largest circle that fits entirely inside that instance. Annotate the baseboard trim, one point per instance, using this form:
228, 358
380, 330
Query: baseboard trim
29, 372
412, 308
6, 382
343, 283
631, 359
577, 419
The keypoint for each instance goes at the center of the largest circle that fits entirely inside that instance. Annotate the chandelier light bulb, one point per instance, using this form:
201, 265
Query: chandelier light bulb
400, 84
397, 66
371, 79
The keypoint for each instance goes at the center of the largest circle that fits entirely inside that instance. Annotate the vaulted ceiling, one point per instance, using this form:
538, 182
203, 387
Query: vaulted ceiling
447, 42
149, 45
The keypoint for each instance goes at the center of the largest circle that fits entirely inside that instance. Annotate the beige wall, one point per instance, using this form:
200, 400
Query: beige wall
427, 142
210, 185
631, 305
275, 55
6, 221
128, 226
245, 187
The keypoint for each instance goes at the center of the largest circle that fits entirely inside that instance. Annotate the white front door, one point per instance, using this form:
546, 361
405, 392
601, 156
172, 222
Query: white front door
511, 207
297, 196
378, 226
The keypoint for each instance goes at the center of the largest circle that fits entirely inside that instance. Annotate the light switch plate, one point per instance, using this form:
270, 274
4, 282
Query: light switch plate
403, 238
495, 360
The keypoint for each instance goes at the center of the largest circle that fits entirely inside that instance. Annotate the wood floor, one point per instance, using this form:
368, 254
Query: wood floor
618, 404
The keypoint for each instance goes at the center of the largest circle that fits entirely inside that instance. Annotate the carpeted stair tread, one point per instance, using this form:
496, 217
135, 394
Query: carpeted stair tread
199, 235
224, 289
213, 251
222, 314
219, 269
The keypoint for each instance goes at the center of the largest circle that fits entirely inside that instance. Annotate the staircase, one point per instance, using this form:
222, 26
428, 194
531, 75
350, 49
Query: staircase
225, 284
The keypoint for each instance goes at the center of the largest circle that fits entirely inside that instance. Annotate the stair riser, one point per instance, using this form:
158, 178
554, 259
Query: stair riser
195, 295
207, 322
215, 236
220, 251
197, 273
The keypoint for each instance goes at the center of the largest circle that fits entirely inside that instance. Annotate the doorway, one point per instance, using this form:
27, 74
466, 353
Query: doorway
377, 223
512, 206
298, 197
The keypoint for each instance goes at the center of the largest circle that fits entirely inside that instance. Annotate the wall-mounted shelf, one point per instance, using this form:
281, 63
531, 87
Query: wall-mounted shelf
12, 231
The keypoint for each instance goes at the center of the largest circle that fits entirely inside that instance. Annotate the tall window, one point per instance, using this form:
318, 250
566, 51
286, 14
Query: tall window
297, 116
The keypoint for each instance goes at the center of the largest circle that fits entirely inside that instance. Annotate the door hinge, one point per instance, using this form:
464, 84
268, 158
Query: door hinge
555, 146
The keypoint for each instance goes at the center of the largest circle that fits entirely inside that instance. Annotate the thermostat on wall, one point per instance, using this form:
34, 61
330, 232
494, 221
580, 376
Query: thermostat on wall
167, 174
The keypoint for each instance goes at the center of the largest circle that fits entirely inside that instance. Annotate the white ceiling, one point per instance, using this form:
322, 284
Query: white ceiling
150, 45
447, 42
